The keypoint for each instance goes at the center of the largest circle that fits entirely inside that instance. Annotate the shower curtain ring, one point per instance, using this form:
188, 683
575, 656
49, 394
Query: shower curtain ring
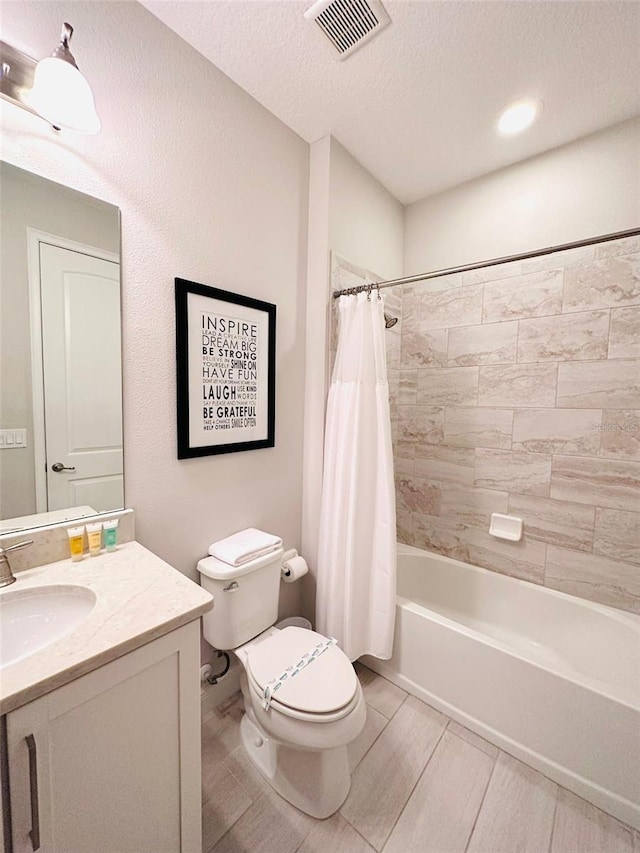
369, 293
378, 289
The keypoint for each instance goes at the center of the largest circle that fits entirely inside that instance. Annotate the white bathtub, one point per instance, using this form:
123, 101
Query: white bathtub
552, 679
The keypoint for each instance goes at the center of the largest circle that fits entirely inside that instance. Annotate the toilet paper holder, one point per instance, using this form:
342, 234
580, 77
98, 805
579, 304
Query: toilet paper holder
289, 574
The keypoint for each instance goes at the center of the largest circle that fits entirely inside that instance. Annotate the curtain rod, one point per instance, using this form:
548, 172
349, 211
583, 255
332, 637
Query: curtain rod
349, 291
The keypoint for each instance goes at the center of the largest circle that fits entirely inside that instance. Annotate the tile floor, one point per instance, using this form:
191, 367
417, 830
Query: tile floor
421, 784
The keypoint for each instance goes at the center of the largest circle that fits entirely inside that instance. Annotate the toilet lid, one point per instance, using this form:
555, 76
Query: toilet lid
327, 684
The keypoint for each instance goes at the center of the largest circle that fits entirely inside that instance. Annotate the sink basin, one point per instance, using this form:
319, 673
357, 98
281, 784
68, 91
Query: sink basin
33, 618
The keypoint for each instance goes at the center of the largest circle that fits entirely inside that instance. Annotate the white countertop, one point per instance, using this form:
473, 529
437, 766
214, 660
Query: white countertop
139, 598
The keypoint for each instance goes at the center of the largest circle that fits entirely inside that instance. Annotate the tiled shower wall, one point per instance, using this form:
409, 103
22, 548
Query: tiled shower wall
516, 389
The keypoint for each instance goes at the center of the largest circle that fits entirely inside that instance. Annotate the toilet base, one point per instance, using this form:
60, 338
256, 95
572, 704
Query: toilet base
315, 781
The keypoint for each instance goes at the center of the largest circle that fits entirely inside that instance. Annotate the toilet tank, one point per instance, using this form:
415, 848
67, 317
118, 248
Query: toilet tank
245, 599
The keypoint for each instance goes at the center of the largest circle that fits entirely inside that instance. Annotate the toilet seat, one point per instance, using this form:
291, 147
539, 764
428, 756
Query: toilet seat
323, 691
277, 707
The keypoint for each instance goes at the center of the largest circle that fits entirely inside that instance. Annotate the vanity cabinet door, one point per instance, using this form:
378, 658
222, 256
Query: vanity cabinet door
110, 763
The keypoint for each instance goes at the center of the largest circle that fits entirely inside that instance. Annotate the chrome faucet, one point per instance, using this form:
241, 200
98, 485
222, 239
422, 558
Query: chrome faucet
6, 575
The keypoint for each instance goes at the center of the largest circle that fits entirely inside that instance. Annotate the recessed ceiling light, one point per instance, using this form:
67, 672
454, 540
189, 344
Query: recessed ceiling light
519, 115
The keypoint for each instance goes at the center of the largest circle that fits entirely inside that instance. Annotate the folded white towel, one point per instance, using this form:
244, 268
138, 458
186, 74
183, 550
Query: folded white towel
246, 545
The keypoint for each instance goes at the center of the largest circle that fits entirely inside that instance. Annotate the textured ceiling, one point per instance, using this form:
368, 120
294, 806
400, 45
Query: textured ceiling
417, 105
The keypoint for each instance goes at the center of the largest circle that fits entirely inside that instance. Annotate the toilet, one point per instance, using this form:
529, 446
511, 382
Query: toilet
296, 735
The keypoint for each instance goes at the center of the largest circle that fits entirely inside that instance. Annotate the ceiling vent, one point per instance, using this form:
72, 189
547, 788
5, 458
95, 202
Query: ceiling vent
348, 24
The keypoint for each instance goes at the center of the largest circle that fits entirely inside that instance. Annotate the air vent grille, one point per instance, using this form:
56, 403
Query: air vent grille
348, 24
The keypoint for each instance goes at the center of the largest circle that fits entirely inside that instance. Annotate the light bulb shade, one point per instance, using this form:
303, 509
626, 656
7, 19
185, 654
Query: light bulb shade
62, 96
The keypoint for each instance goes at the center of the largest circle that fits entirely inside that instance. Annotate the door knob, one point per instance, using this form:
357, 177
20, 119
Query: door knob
58, 467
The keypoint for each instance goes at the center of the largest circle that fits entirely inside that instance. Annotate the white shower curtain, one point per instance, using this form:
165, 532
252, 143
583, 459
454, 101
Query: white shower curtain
356, 584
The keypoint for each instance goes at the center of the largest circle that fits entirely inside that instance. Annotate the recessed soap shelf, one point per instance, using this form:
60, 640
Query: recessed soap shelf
506, 527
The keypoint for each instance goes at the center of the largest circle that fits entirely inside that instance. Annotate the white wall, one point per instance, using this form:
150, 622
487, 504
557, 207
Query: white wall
365, 221
585, 189
212, 188
352, 214
316, 359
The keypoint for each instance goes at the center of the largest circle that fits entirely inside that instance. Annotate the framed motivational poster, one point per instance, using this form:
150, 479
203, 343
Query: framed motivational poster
226, 354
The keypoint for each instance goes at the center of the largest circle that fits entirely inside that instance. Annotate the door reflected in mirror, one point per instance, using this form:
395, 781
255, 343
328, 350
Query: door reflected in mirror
61, 453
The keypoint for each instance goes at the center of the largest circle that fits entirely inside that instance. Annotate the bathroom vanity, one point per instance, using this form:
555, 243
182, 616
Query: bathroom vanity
101, 728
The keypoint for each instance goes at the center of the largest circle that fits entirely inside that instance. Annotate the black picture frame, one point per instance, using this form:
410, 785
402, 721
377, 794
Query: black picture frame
224, 373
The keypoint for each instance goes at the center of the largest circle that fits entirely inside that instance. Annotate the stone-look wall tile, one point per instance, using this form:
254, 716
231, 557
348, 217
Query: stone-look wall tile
590, 481
570, 431
470, 545
518, 385
394, 435
472, 427
408, 387
513, 471
494, 343
508, 558
440, 282
410, 309
333, 331
471, 507
599, 385
617, 535
492, 273
612, 282
418, 425
503, 338
454, 386
393, 380
418, 495
445, 464
534, 295
405, 467
565, 337
622, 246
555, 522
423, 349
392, 298
345, 274
437, 534
457, 306
553, 260
620, 433
529, 551
404, 526
624, 335
487, 558
594, 577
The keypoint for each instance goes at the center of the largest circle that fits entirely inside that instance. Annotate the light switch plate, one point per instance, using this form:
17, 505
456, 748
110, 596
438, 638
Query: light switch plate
13, 439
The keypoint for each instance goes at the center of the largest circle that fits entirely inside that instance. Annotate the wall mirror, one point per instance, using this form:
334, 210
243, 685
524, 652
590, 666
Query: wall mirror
61, 454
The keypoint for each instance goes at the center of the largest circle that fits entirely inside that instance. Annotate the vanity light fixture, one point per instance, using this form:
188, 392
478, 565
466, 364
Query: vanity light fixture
58, 93
518, 116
